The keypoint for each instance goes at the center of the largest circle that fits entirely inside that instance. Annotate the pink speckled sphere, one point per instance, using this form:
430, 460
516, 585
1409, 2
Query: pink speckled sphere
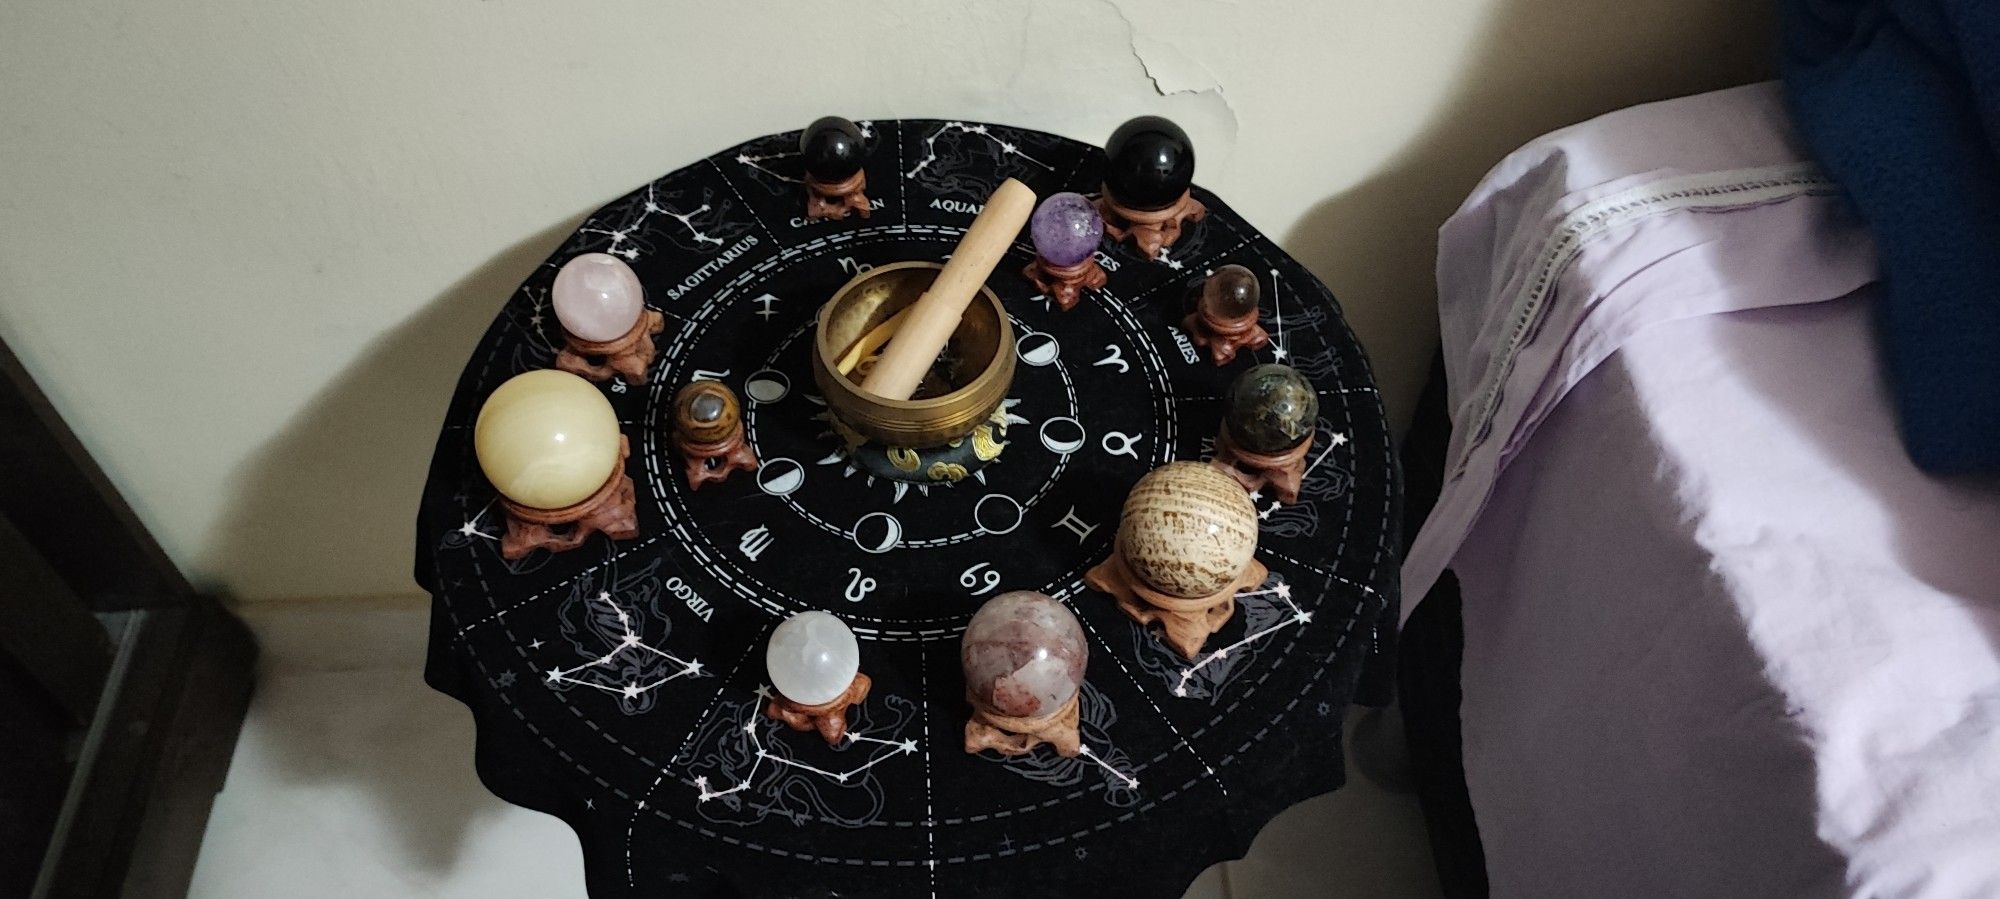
1024, 655
598, 297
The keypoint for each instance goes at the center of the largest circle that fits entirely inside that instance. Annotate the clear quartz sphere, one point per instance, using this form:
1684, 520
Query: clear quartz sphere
812, 658
1024, 655
1231, 293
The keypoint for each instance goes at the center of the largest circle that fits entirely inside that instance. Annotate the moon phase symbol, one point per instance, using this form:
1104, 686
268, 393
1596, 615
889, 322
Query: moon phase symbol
1004, 515
780, 477
1037, 348
767, 385
890, 532
1065, 437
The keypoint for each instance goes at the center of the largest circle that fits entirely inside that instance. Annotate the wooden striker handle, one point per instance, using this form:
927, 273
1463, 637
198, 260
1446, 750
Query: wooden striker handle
935, 316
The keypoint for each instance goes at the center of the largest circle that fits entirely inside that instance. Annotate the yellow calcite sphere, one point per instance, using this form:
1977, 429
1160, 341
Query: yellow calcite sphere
547, 439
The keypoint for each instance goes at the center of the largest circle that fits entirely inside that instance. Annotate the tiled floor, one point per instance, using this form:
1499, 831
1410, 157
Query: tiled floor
353, 779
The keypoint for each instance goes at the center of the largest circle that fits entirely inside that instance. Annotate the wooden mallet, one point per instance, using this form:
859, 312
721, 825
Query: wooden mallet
930, 321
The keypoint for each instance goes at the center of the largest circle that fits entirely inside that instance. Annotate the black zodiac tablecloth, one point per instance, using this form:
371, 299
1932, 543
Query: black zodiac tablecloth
619, 686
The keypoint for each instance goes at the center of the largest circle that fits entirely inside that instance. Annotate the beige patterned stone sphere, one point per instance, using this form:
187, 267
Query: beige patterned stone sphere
1188, 529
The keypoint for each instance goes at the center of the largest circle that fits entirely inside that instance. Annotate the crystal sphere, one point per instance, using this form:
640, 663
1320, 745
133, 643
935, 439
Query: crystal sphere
1024, 655
547, 439
1270, 408
833, 149
1149, 163
597, 297
812, 658
1187, 529
1066, 229
1231, 293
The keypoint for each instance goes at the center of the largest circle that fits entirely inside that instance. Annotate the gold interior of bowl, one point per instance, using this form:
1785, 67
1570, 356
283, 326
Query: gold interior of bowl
983, 345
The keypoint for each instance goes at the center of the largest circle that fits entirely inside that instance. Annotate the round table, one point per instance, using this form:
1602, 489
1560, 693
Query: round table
620, 685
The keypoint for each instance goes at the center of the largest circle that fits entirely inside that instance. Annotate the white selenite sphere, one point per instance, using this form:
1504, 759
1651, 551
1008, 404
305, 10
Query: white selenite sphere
812, 658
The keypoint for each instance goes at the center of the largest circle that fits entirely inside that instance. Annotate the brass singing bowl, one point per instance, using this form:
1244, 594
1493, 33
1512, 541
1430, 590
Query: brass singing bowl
983, 344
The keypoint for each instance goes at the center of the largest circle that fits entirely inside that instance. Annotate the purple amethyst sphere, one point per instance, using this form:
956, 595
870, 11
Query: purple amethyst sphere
1024, 655
1066, 229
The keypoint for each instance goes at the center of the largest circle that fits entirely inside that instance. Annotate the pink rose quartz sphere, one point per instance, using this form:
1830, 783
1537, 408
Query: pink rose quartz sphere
598, 297
1024, 655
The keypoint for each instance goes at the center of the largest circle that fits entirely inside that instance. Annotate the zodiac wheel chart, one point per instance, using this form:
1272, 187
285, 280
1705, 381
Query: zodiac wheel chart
620, 685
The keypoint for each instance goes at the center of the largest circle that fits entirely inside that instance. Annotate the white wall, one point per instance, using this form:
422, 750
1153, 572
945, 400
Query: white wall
246, 246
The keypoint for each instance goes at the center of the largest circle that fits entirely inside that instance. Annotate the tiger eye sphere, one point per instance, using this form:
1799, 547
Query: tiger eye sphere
1187, 530
1024, 655
833, 149
1270, 408
706, 411
1149, 163
1231, 293
547, 439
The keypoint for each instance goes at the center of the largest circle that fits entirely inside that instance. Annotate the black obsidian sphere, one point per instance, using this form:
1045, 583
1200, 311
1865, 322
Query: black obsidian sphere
1270, 408
833, 149
1149, 163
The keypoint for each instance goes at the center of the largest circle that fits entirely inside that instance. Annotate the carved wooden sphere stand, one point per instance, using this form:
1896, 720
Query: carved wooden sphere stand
1187, 623
708, 430
828, 718
1011, 736
611, 511
835, 200
1223, 338
1150, 230
1065, 284
1281, 471
628, 356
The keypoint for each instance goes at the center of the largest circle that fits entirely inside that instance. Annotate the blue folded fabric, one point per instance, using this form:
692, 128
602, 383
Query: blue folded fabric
1900, 101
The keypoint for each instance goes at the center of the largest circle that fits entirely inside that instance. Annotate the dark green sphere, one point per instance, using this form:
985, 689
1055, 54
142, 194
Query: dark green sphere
1149, 163
1270, 408
833, 149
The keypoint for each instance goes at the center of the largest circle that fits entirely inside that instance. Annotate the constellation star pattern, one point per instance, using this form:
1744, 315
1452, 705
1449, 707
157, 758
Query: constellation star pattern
625, 239
1298, 617
898, 747
630, 642
931, 154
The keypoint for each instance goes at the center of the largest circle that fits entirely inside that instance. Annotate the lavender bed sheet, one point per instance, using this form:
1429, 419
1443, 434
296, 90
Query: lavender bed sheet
1721, 637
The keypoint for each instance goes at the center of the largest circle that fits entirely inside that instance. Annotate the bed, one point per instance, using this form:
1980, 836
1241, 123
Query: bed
1720, 637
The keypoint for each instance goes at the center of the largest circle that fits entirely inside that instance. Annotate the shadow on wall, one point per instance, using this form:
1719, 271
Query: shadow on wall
352, 462
1538, 66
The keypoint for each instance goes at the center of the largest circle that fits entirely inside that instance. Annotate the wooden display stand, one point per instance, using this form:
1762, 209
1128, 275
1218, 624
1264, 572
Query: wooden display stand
1019, 736
1281, 472
628, 356
1150, 230
1188, 623
1065, 284
836, 200
828, 718
610, 511
729, 454
1223, 338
